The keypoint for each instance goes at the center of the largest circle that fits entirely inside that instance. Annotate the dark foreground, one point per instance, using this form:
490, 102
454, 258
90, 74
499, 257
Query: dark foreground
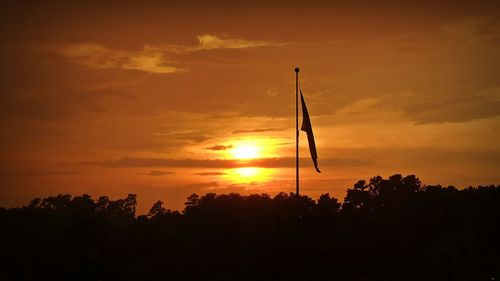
394, 229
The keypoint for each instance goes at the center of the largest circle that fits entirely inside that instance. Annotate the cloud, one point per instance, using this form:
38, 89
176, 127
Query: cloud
195, 138
473, 29
283, 143
152, 63
159, 173
59, 103
211, 174
281, 162
258, 130
150, 59
220, 147
485, 104
209, 42
453, 107
202, 185
190, 135
360, 106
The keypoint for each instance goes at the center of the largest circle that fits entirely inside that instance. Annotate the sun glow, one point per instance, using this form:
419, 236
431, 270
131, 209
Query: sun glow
247, 175
247, 171
246, 151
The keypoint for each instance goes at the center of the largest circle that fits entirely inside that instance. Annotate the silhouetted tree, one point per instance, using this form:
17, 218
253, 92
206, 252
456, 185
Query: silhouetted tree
157, 210
386, 229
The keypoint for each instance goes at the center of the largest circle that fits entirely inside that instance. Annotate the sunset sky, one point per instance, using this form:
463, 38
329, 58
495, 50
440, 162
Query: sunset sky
169, 99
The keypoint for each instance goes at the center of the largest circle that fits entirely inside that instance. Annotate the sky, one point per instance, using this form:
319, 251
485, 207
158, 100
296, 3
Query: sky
169, 98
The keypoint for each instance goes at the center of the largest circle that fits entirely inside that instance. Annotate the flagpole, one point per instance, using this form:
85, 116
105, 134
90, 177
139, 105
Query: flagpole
298, 242
297, 130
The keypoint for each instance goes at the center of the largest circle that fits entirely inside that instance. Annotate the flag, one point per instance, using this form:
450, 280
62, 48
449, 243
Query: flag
307, 127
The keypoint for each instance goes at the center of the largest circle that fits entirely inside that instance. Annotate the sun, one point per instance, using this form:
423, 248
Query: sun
246, 151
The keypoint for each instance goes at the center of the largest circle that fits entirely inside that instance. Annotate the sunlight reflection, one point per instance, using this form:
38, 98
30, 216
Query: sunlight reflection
248, 174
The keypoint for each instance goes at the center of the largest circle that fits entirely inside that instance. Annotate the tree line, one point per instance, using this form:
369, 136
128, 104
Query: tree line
385, 229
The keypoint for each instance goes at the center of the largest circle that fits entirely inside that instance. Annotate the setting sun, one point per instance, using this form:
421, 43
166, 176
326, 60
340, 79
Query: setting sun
246, 151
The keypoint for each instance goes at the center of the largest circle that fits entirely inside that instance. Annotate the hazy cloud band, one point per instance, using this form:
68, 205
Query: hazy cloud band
281, 162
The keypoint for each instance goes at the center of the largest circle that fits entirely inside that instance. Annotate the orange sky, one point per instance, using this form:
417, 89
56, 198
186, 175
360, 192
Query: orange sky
152, 98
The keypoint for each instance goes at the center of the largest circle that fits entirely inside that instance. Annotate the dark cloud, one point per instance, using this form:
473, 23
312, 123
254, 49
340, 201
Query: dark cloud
193, 136
220, 147
196, 138
159, 173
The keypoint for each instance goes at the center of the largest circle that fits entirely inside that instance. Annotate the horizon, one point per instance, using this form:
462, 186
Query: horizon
143, 211
164, 100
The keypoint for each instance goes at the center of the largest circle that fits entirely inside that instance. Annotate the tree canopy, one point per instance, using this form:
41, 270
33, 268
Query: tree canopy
385, 229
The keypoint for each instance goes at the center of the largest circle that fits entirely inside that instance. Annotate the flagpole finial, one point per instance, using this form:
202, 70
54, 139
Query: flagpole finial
297, 69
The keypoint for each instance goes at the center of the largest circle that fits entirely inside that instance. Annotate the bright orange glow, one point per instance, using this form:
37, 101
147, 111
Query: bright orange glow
248, 171
251, 148
248, 175
246, 151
